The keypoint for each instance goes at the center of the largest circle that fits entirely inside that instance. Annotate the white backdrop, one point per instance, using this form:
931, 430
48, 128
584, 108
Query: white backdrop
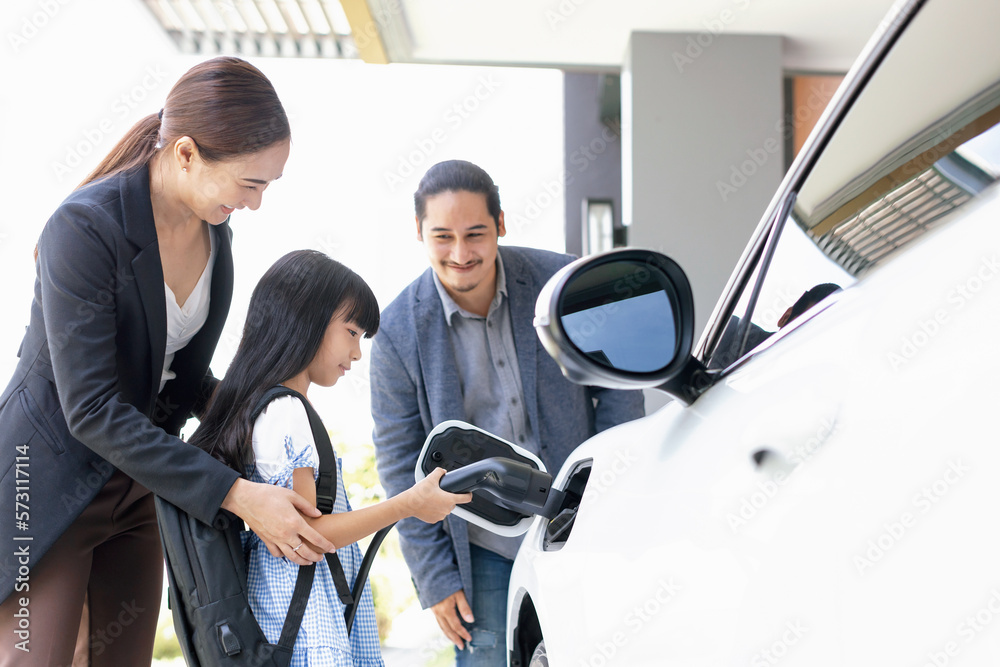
77, 74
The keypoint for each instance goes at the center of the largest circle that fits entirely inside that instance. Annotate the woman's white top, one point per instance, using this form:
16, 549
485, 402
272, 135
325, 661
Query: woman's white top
184, 322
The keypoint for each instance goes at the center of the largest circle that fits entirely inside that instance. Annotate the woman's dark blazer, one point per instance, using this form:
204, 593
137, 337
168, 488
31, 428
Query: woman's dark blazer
84, 398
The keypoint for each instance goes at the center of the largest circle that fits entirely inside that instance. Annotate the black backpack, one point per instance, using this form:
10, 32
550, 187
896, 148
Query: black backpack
207, 574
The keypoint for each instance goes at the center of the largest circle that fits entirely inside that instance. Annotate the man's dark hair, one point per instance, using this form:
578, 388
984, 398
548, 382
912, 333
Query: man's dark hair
457, 176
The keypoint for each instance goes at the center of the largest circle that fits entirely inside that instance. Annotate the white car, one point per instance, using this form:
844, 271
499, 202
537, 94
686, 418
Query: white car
824, 489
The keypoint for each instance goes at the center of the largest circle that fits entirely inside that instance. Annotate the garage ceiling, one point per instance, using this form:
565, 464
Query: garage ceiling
820, 36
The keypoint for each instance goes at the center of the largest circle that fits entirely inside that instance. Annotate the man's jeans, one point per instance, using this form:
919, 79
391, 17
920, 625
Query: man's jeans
490, 578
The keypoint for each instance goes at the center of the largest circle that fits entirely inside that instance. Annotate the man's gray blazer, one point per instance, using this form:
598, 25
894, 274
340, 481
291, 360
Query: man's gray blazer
415, 385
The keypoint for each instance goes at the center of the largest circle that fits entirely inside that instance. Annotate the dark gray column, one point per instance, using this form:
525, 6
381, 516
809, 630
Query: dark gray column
593, 158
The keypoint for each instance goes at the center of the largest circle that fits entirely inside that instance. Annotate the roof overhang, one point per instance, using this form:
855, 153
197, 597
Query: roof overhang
822, 36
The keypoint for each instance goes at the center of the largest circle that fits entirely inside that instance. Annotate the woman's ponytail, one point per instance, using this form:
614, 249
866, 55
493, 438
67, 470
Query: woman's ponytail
135, 148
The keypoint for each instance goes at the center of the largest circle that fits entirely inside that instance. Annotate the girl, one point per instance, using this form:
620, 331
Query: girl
134, 276
304, 326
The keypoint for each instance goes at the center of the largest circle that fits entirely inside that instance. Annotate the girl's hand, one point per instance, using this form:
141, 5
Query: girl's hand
428, 502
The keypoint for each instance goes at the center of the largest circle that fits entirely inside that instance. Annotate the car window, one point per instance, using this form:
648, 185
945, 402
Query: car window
922, 140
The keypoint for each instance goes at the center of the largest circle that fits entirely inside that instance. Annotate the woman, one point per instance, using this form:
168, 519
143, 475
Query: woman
133, 285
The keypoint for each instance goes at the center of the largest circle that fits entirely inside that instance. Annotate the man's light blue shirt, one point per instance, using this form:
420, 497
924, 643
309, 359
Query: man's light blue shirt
491, 382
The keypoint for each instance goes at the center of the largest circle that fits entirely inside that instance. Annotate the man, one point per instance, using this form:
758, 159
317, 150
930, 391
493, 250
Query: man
458, 343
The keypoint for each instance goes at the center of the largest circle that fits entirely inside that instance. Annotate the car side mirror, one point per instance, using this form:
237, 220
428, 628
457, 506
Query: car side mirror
622, 320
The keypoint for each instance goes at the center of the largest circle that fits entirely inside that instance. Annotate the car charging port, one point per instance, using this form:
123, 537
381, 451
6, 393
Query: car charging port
561, 525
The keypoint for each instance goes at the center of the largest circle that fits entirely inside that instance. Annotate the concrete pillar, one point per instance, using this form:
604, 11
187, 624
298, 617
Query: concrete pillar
702, 149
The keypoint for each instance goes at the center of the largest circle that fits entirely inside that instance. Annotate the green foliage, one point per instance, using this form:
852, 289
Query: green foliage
392, 589
165, 646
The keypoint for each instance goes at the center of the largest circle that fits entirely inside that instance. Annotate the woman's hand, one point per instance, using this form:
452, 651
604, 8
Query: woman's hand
275, 515
428, 502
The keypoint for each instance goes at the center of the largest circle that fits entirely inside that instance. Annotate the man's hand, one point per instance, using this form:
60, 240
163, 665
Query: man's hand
451, 624
273, 513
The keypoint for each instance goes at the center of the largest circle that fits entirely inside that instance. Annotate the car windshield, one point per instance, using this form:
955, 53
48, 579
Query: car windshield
917, 144
858, 231
922, 140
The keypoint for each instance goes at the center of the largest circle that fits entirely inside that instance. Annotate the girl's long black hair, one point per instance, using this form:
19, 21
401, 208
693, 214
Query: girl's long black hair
289, 312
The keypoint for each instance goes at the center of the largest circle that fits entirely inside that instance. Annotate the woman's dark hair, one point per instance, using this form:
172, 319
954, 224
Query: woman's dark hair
457, 176
289, 312
226, 105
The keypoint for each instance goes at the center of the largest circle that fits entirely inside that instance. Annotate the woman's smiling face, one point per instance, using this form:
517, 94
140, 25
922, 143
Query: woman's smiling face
215, 189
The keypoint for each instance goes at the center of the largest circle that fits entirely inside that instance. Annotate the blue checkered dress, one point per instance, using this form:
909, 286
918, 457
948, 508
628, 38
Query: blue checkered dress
322, 640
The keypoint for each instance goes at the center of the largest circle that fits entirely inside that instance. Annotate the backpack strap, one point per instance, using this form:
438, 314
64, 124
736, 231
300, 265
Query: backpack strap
326, 482
297, 606
326, 494
274, 392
